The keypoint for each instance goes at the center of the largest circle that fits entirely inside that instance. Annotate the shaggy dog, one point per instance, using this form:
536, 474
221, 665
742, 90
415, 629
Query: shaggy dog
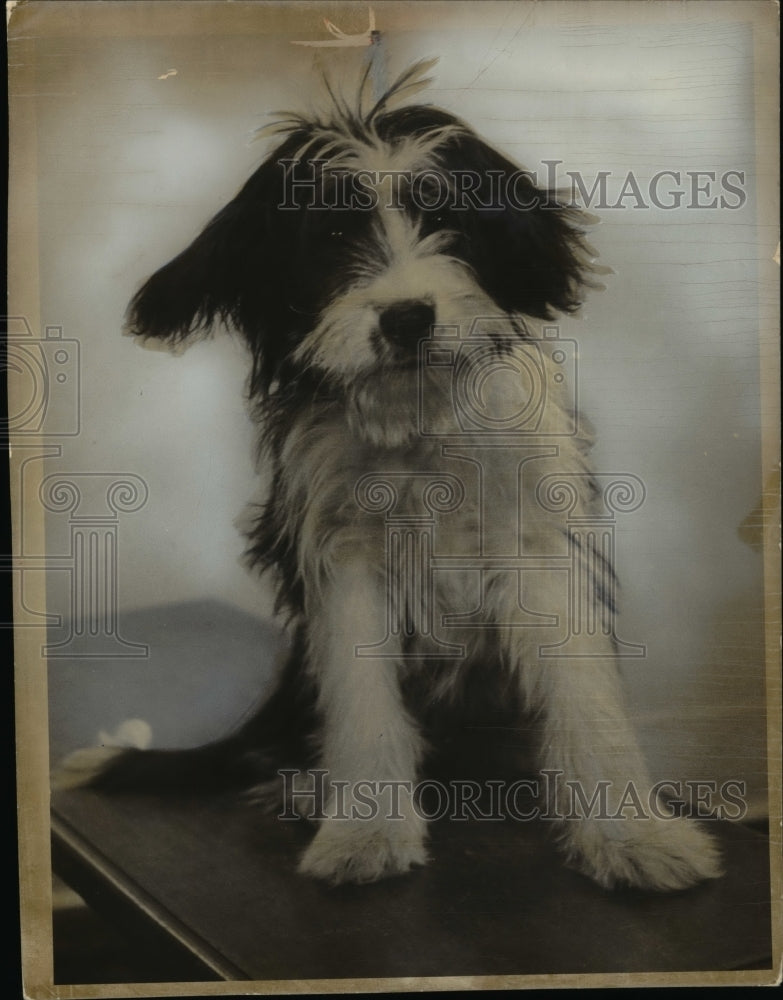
429, 516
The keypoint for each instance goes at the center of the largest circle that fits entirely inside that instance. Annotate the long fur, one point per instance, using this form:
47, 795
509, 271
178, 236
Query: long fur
334, 306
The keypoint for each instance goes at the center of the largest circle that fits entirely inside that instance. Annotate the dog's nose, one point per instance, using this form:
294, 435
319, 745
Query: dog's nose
406, 323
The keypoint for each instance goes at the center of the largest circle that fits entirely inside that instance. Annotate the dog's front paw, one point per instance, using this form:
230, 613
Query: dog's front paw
664, 855
356, 851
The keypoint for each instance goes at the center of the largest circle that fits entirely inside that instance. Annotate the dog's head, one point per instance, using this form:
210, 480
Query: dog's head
358, 233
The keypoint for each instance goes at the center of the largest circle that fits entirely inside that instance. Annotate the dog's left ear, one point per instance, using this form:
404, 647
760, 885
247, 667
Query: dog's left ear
527, 249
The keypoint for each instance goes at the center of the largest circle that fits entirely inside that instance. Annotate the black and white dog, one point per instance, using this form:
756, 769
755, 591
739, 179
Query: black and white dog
393, 276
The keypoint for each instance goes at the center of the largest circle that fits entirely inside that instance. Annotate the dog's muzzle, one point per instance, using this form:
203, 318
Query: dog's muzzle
406, 323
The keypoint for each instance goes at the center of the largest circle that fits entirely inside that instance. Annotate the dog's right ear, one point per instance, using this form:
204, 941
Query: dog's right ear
200, 285
219, 277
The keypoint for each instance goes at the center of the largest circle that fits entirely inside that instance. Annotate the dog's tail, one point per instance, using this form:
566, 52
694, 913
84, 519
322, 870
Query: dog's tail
279, 734
220, 765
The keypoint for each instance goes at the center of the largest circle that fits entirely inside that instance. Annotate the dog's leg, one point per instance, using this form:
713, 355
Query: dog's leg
626, 835
610, 822
371, 748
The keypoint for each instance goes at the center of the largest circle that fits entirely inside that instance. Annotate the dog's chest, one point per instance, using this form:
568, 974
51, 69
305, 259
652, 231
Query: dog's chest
336, 480
457, 501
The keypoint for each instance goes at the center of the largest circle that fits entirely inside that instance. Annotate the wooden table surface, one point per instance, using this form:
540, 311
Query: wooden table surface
212, 882
216, 879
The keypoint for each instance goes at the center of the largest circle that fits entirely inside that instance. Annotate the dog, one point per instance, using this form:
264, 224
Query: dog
395, 279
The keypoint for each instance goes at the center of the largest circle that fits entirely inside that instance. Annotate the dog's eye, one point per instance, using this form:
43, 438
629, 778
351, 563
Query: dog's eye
440, 222
334, 230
